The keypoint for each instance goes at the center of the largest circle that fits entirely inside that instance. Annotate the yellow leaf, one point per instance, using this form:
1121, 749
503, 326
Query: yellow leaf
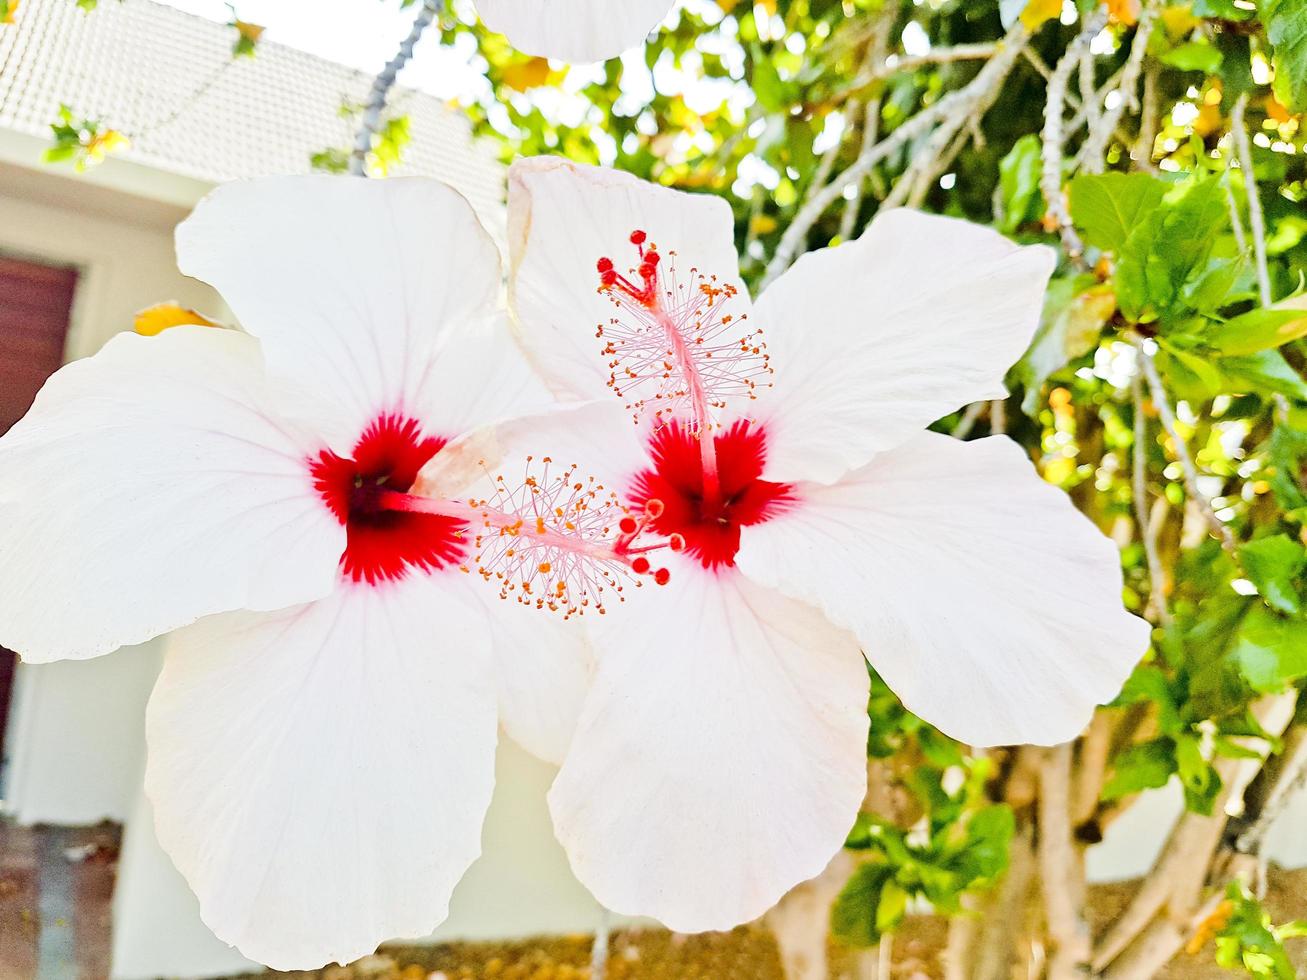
1208, 120
154, 320
249, 32
762, 224
101, 145
11, 13
1037, 12
1277, 110
727, 5
523, 75
1178, 21
1123, 11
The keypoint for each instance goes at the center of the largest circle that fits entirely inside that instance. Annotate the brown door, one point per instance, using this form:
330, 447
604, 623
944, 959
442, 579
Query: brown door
35, 301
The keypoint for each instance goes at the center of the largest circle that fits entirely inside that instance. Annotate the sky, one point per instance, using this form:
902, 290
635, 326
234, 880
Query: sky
361, 33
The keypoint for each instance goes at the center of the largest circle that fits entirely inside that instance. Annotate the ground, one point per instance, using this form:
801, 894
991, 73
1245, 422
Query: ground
56, 886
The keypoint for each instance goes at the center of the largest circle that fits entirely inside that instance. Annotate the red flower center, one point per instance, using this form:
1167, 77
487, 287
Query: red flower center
381, 545
709, 525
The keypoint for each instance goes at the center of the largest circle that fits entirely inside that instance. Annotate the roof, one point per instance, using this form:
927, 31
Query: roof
167, 79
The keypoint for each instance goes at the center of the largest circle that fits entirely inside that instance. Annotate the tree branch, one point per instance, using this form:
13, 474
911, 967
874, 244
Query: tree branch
382, 85
1139, 490
1256, 220
956, 104
1053, 138
1167, 415
1095, 146
1061, 868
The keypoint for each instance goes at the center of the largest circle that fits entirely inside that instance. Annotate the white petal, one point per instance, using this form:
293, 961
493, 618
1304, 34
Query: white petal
720, 758
354, 286
320, 775
151, 485
573, 30
874, 340
564, 217
542, 671
988, 603
480, 377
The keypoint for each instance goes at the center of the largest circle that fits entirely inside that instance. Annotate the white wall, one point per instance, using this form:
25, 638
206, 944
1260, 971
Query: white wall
67, 760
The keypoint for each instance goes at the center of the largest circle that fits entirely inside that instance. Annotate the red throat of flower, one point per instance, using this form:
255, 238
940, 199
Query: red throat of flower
709, 524
383, 544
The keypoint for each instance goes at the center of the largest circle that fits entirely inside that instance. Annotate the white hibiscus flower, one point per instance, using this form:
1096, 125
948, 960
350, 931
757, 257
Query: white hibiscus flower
579, 31
322, 737
719, 758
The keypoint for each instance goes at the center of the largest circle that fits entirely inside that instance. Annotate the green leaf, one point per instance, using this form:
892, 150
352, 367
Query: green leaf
1193, 377
1272, 564
854, 914
1148, 683
1257, 330
1147, 765
1018, 174
1270, 650
1221, 9
989, 836
1073, 319
1194, 56
1108, 207
1286, 29
1211, 290
891, 907
1199, 780
1266, 371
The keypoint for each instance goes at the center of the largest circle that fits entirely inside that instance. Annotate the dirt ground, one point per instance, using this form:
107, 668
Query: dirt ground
86, 858
748, 953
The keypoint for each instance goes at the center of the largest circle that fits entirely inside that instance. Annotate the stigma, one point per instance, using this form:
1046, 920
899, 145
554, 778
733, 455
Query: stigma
674, 345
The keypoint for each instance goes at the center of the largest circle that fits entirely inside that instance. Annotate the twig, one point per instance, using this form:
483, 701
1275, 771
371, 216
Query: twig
885, 68
1093, 754
1256, 221
958, 103
870, 118
599, 949
382, 85
1139, 490
1167, 415
1159, 943
1148, 120
1053, 138
1095, 146
969, 419
1059, 865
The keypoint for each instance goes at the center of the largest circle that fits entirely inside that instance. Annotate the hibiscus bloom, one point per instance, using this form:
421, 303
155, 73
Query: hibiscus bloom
719, 758
322, 736
579, 30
